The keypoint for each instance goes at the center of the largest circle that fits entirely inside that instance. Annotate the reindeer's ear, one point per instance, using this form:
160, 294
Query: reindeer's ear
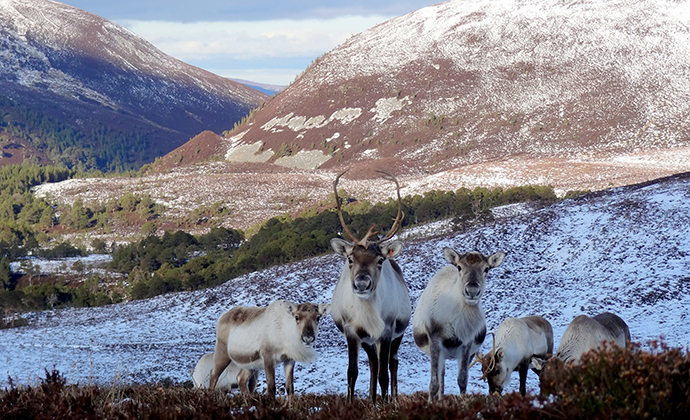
499, 354
496, 259
324, 309
290, 307
341, 246
391, 249
451, 255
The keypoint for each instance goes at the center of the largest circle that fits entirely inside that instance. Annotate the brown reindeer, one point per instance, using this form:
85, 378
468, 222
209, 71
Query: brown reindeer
260, 338
371, 304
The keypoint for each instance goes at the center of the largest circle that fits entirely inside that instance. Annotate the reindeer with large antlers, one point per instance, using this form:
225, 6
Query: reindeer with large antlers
371, 304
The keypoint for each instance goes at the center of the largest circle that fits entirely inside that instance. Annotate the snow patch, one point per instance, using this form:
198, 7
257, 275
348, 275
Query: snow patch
299, 123
385, 106
304, 159
248, 153
333, 137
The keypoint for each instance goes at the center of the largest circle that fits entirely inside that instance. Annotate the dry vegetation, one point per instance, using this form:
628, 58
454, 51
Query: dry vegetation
616, 383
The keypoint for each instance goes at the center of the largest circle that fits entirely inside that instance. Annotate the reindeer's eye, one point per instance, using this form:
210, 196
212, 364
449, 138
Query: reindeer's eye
486, 270
297, 318
380, 261
349, 260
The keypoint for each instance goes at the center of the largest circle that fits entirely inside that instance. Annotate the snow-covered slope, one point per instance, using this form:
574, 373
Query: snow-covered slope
60, 60
626, 250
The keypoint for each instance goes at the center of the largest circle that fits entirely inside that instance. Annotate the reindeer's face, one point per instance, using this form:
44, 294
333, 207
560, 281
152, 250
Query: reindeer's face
494, 371
473, 268
307, 316
365, 263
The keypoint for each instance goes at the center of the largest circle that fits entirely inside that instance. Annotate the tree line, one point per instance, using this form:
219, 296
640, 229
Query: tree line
180, 261
97, 147
160, 265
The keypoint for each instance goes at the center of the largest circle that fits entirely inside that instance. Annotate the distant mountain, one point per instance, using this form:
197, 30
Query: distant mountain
538, 85
76, 86
268, 89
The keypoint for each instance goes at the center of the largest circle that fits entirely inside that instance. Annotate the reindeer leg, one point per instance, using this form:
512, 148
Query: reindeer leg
522, 370
395, 345
463, 367
221, 360
289, 367
442, 377
434, 385
270, 371
352, 368
373, 369
384, 360
253, 378
243, 379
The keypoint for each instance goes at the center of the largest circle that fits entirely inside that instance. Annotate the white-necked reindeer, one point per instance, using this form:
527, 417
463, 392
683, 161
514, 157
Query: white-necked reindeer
232, 377
261, 337
371, 304
515, 342
449, 321
584, 334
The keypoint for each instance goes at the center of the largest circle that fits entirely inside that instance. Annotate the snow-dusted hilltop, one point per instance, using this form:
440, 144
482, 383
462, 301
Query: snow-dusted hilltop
624, 250
466, 81
73, 65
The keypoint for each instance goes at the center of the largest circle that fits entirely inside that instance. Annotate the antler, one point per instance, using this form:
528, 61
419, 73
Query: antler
340, 212
474, 362
397, 223
492, 359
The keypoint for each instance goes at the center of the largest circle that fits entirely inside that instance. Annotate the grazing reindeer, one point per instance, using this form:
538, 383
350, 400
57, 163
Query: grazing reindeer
232, 376
371, 303
584, 334
449, 321
516, 341
256, 338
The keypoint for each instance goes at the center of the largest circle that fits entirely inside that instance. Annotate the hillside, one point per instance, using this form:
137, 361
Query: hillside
62, 68
544, 89
623, 250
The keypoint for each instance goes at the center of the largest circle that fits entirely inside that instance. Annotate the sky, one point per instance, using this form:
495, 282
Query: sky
269, 41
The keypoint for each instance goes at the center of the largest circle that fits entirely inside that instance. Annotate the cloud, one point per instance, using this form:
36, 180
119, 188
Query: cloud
250, 40
270, 51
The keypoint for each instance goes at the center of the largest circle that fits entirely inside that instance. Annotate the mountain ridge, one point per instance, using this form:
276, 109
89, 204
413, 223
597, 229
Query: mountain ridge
463, 83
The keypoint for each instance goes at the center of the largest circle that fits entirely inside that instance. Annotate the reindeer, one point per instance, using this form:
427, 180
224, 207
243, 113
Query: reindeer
584, 334
449, 321
259, 338
371, 303
516, 341
231, 377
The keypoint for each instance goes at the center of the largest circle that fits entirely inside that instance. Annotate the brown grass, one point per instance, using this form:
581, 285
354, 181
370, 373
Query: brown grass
615, 383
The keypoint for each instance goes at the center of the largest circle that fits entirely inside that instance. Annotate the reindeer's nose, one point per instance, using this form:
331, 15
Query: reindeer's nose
308, 339
472, 291
362, 284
